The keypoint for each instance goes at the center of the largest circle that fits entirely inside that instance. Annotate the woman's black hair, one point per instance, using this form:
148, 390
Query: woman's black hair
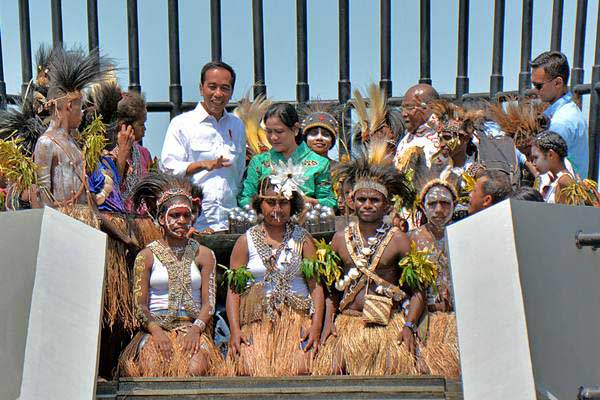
287, 114
297, 202
549, 140
527, 193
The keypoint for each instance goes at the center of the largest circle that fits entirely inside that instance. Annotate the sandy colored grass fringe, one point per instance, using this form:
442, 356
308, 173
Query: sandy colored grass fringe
81, 213
118, 301
365, 350
440, 352
274, 349
148, 362
145, 231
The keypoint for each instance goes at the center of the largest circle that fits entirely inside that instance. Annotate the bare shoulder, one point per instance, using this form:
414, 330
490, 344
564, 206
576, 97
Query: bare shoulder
205, 257
337, 240
401, 241
147, 256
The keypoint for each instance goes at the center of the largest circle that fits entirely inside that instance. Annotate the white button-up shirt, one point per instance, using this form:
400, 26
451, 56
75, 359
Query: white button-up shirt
197, 136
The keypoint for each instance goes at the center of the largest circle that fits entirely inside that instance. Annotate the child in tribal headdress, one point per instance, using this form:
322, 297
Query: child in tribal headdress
174, 289
375, 332
320, 131
276, 320
61, 167
439, 351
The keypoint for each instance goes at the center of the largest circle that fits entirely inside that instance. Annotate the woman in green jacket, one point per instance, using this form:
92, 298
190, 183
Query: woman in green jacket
283, 127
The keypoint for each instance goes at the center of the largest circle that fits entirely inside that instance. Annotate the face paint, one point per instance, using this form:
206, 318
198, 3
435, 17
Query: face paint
319, 140
178, 219
439, 206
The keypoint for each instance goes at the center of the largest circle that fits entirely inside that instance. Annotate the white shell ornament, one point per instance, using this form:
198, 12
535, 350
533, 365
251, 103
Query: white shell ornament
366, 251
339, 285
379, 289
372, 241
353, 273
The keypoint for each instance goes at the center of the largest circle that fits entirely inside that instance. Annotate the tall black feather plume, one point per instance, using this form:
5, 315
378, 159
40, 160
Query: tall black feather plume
73, 71
21, 122
150, 188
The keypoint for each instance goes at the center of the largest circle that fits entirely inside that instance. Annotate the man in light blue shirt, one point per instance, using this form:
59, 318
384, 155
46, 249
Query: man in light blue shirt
549, 77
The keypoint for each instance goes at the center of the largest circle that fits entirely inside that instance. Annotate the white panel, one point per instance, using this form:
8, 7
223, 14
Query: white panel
61, 354
19, 237
494, 347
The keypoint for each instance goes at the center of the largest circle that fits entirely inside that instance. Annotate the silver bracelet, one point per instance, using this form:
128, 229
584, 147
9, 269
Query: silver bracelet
200, 324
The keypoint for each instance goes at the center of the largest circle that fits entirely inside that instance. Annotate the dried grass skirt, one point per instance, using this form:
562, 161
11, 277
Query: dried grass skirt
360, 349
142, 357
274, 348
440, 353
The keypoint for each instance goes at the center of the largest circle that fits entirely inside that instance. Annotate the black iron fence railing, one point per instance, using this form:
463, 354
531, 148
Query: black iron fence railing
175, 105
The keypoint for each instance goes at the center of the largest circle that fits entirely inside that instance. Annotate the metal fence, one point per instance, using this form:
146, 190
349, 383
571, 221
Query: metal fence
175, 105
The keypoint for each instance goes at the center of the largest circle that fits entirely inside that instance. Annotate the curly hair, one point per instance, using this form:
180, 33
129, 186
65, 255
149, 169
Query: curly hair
131, 107
296, 202
549, 140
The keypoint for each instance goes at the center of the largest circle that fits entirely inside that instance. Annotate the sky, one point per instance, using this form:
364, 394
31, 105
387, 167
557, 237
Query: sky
280, 44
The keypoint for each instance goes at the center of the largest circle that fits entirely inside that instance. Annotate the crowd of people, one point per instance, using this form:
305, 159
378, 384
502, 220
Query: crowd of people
376, 300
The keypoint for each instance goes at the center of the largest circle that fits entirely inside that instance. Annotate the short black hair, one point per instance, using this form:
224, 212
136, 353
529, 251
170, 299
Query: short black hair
528, 194
297, 201
549, 140
497, 184
217, 65
554, 63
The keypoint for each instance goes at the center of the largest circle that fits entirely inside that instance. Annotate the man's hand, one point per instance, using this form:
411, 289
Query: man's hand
328, 329
125, 138
310, 339
236, 340
208, 165
408, 338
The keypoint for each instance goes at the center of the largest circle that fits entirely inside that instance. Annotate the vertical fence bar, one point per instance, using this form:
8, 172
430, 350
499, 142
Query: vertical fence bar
302, 89
2, 83
25, 36
425, 42
259, 48
215, 30
496, 79
385, 83
557, 21
92, 20
344, 86
579, 46
526, 39
175, 94
57, 28
462, 67
594, 136
133, 46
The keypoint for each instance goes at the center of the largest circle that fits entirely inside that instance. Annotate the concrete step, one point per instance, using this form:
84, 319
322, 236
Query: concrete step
342, 387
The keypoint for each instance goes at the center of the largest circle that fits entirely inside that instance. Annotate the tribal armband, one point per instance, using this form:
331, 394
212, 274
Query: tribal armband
138, 273
212, 291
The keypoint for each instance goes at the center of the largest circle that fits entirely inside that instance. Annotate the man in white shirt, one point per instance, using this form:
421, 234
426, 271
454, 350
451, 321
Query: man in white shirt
421, 126
209, 144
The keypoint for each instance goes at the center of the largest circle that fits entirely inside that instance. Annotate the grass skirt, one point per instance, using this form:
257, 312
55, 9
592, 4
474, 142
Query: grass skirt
118, 299
82, 213
275, 347
365, 350
145, 230
142, 357
440, 351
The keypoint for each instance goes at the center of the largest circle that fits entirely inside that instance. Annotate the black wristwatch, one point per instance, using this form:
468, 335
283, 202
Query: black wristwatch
411, 326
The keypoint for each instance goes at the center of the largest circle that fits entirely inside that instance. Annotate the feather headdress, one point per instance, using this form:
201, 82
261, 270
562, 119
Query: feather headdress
72, 71
251, 113
320, 114
156, 189
519, 121
371, 118
23, 123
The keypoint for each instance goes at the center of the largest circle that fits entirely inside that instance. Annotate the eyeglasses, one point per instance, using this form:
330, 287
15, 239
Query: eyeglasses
539, 86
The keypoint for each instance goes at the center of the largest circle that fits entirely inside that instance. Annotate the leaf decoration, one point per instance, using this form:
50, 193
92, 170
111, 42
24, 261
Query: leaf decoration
15, 166
238, 280
94, 141
418, 271
324, 267
580, 193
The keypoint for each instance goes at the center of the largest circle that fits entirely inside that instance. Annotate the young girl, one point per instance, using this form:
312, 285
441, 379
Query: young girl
548, 153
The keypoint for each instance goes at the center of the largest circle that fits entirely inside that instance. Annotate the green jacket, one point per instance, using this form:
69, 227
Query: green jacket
317, 186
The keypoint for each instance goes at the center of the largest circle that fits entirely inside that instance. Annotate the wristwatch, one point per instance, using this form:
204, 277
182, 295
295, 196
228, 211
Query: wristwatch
411, 326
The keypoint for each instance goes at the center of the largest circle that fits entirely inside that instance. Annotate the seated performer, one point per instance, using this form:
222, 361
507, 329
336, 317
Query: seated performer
283, 126
440, 350
275, 323
548, 152
173, 289
373, 324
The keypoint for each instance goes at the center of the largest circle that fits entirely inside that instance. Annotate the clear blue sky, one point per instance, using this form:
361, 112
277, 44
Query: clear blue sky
280, 44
